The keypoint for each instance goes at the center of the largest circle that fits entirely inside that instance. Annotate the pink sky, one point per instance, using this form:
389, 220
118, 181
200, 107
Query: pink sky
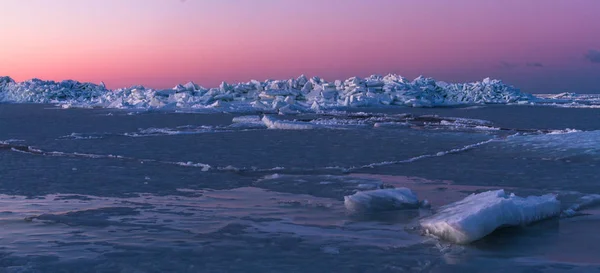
537, 45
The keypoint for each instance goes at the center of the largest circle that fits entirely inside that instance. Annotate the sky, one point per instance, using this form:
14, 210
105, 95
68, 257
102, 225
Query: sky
540, 46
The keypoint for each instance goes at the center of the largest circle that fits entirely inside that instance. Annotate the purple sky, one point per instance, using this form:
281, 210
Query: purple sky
537, 45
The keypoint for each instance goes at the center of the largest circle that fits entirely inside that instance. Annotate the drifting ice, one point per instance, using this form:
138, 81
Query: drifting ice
582, 203
480, 214
272, 96
273, 123
382, 200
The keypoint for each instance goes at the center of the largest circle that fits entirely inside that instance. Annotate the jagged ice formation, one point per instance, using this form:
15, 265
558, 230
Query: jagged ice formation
278, 96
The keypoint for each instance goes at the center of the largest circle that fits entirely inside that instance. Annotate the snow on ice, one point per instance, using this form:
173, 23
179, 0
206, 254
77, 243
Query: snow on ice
270, 96
480, 214
382, 200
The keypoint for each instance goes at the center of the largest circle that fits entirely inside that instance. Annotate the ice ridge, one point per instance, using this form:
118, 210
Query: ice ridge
274, 96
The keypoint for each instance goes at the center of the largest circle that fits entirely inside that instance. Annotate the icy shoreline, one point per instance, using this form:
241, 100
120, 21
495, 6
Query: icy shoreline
275, 96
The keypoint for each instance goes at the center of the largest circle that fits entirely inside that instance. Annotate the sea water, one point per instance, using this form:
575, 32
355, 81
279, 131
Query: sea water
105, 190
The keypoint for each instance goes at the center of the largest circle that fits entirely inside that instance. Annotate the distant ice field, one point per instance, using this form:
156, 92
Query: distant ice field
119, 189
288, 96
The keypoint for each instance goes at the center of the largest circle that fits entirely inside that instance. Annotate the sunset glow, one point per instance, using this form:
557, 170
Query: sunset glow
540, 46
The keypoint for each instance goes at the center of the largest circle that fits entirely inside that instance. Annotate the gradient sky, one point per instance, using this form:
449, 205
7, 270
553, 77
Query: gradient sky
541, 46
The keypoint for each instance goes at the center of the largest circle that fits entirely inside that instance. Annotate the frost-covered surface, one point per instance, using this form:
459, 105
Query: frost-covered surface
381, 200
277, 96
480, 214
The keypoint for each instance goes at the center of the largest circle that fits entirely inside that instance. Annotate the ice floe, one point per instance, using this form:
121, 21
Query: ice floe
565, 131
247, 119
271, 96
480, 214
273, 123
202, 166
344, 120
248, 122
584, 202
180, 130
382, 200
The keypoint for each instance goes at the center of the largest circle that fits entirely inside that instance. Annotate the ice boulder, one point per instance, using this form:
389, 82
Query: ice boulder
480, 214
382, 200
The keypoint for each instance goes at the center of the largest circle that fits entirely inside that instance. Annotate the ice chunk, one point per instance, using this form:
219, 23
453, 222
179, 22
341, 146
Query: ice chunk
565, 131
6, 80
381, 200
273, 123
247, 122
587, 201
584, 202
391, 125
288, 110
191, 86
480, 214
247, 119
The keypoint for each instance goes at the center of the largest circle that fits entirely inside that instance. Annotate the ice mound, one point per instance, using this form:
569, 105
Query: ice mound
6, 80
382, 200
480, 214
271, 96
38, 91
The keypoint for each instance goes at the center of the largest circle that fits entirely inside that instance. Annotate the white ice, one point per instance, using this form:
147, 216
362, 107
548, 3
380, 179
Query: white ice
248, 122
270, 96
568, 100
381, 200
247, 119
565, 131
273, 123
584, 202
480, 214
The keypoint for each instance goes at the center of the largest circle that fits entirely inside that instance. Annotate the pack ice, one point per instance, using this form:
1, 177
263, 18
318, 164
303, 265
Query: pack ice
278, 96
480, 214
382, 200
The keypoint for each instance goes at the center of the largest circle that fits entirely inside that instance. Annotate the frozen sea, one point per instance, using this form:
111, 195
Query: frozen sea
108, 190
